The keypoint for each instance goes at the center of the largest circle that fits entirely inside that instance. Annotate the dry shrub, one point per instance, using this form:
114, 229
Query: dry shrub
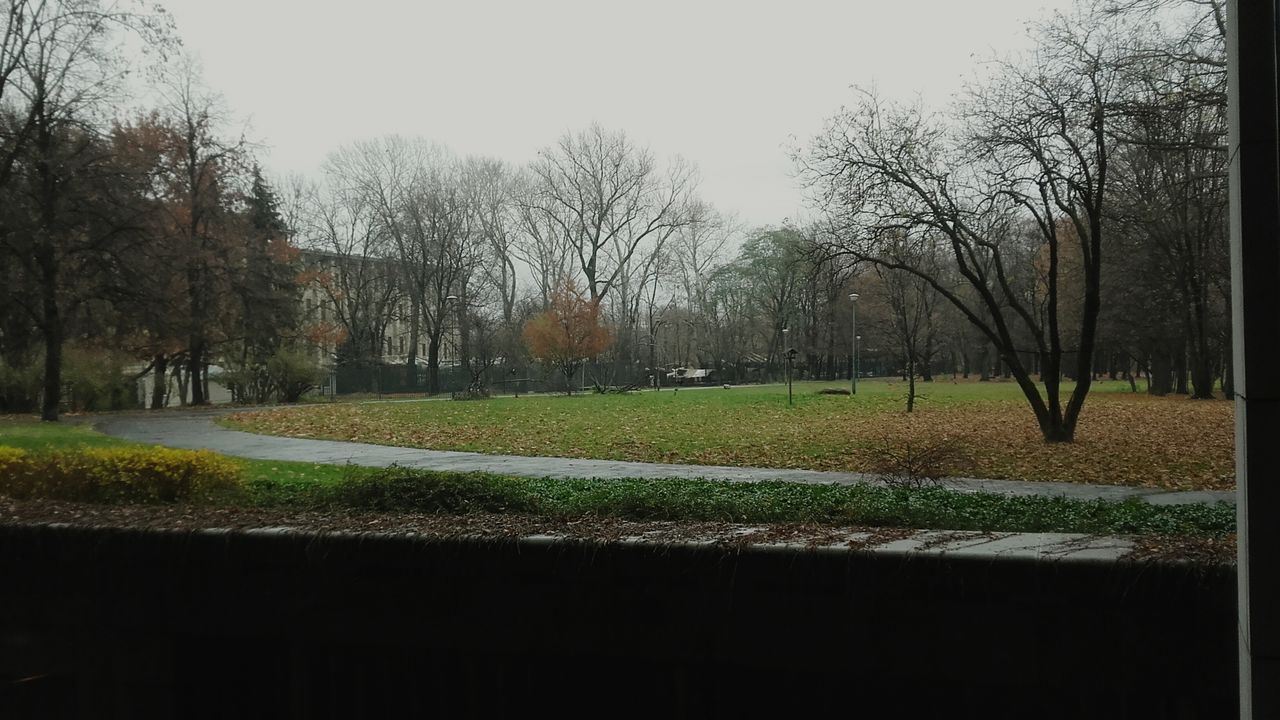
919, 461
119, 475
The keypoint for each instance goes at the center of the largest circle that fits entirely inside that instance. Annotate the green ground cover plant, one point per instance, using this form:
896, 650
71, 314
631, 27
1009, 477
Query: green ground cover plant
409, 490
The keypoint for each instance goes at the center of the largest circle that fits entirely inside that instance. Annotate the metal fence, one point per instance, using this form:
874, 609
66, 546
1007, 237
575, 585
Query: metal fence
398, 379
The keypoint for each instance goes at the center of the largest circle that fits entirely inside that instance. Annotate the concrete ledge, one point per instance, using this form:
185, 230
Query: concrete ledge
1047, 547
271, 621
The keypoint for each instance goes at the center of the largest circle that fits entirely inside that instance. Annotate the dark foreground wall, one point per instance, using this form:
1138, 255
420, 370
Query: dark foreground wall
131, 624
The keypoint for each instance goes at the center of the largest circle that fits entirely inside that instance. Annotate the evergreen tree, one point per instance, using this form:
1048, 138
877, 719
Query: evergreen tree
268, 291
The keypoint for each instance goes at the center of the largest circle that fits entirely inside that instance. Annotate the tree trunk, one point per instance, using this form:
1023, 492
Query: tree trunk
1180, 370
926, 364
180, 374
569, 370
1228, 374
830, 369
160, 380
51, 322
464, 330
52, 347
433, 362
911, 385
1159, 375
1201, 361
194, 365
411, 360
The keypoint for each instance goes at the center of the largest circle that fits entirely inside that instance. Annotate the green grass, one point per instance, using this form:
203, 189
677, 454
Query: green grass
28, 435
336, 488
1123, 438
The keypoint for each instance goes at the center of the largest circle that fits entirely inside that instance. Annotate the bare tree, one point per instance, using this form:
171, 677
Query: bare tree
538, 240
1171, 178
638, 284
911, 303
607, 198
1035, 144
490, 182
420, 193
696, 249
493, 187
771, 270
350, 261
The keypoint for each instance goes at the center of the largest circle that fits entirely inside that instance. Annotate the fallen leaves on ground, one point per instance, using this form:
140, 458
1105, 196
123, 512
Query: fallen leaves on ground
1122, 438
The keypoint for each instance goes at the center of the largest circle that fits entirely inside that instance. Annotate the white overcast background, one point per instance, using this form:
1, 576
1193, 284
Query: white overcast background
727, 85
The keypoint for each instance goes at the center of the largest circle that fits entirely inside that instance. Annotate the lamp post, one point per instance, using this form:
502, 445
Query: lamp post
787, 354
857, 355
853, 331
452, 300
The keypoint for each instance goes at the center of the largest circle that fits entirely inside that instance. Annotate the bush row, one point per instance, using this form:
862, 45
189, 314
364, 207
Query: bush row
93, 380
119, 475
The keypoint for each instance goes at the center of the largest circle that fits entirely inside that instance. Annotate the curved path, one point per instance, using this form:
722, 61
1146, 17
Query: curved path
197, 430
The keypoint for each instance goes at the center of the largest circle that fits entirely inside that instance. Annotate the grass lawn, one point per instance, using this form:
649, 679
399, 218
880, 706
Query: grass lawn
986, 429
335, 489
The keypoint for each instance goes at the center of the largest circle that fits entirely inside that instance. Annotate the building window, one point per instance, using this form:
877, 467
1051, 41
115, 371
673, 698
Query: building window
401, 346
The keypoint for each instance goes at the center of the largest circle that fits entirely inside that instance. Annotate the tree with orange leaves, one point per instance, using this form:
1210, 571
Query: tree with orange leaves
568, 332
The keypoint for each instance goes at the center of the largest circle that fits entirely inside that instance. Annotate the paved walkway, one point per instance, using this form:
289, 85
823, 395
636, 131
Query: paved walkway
196, 430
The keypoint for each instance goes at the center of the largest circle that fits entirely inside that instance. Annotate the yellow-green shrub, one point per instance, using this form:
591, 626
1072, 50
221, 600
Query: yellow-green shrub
118, 475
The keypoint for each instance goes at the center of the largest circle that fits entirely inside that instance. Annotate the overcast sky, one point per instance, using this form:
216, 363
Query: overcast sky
725, 84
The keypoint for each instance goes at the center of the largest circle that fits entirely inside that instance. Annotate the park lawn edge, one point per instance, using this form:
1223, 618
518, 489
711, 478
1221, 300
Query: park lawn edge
335, 488
971, 431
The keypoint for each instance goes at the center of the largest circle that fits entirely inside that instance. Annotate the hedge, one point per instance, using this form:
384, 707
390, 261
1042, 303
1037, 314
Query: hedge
118, 475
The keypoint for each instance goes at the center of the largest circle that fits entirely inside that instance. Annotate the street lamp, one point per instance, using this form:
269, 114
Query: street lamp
853, 359
790, 353
457, 345
857, 356
454, 299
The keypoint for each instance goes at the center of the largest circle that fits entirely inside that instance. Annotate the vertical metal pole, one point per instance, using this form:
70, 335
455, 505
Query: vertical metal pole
786, 358
854, 391
853, 331
789, 378
1254, 154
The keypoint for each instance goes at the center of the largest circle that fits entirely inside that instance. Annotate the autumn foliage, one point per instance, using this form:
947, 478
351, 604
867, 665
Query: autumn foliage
568, 332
